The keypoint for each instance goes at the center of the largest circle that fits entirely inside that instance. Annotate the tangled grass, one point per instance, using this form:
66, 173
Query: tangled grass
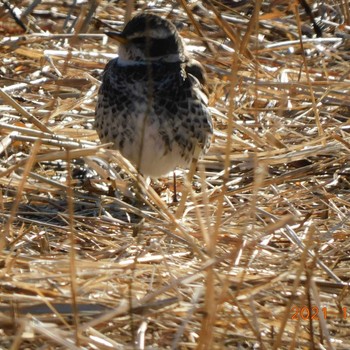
92, 257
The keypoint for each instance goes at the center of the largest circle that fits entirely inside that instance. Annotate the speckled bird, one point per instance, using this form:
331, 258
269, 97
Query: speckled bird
152, 103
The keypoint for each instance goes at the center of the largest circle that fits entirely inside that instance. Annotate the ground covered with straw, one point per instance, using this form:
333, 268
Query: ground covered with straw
92, 257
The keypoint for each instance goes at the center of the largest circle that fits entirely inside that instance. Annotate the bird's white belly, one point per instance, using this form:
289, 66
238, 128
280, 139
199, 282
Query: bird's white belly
148, 151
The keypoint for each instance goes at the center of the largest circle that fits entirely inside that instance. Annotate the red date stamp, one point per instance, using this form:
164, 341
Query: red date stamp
312, 313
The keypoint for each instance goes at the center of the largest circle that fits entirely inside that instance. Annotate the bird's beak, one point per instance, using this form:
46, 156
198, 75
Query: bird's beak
117, 36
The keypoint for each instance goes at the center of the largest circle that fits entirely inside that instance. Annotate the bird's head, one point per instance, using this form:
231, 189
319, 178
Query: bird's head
148, 37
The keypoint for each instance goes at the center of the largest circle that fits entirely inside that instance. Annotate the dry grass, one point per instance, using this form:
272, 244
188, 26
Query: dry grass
264, 235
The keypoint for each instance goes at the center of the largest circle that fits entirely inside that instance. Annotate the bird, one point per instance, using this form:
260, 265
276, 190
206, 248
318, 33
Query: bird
152, 104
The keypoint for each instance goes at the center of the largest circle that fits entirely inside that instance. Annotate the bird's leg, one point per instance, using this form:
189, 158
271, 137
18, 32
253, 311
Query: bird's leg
139, 202
175, 199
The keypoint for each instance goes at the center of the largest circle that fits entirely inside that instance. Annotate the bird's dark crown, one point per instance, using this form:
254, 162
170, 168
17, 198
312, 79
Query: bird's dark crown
150, 37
